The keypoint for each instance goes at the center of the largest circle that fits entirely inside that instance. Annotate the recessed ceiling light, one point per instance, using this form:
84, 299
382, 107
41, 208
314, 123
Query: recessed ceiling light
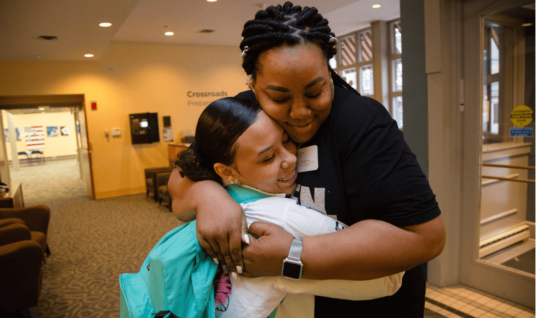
169, 33
89, 55
211, 0
526, 24
376, 6
105, 24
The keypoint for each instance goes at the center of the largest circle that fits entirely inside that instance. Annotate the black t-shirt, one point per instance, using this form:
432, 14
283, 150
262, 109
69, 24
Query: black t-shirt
367, 171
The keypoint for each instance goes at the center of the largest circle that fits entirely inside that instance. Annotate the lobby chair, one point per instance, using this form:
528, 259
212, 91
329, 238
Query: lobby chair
162, 180
150, 180
24, 153
35, 218
21, 275
38, 156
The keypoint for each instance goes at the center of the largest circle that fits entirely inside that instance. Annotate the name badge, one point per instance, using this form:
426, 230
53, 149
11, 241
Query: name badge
307, 159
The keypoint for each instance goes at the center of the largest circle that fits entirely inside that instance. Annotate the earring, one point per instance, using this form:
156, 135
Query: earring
332, 88
250, 85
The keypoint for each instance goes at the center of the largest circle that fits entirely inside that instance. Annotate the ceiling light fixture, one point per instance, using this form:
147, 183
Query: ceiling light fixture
526, 24
211, 0
89, 55
105, 24
169, 33
48, 37
376, 6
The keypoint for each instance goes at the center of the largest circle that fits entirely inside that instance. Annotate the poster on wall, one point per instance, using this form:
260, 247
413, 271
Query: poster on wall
52, 131
17, 133
35, 139
167, 130
64, 131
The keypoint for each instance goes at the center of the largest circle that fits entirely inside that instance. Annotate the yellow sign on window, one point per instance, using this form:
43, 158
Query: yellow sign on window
521, 115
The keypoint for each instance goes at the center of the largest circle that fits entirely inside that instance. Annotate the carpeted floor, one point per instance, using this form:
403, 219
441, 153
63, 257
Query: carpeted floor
92, 242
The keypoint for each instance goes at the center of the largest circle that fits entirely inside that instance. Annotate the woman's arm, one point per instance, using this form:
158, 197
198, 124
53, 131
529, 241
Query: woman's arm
221, 222
367, 250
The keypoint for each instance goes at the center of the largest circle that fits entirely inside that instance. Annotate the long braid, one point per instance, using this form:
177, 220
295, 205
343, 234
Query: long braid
287, 24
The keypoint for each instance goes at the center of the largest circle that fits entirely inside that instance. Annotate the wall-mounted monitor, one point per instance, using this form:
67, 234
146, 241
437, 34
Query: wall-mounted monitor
144, 128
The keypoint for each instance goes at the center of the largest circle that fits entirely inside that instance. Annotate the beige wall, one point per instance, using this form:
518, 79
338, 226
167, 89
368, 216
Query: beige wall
147, 78
54, 146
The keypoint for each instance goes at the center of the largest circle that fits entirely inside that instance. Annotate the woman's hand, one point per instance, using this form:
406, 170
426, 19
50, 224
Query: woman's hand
269, 246
221, 225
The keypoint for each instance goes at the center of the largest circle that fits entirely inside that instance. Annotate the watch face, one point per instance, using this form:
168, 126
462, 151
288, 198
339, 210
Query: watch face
292, 270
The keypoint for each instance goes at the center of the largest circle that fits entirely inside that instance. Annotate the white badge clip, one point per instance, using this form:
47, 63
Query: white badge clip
307, 159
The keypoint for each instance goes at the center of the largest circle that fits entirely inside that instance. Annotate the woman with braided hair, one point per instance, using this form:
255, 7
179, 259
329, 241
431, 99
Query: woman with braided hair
353, 164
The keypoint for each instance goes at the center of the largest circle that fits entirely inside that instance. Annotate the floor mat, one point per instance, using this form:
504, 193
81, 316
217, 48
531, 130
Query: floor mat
523, 262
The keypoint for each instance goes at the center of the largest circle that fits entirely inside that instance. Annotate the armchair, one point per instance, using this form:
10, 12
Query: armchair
21, 275
150, 180
162, 180
35, 218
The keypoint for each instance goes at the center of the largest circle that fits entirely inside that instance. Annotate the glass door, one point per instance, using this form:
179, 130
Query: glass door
500, 103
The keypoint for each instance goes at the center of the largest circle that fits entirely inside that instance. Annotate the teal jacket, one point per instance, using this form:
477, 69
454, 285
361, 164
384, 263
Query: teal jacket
177, 275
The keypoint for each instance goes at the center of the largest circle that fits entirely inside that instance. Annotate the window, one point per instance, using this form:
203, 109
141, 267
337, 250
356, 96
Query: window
357, 65
492, 77
396, 76
354, 61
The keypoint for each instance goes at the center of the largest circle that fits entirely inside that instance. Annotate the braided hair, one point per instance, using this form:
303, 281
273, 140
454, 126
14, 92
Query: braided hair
291, 25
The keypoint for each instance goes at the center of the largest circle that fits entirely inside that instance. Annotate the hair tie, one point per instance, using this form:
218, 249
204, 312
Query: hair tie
244, 52
332, 39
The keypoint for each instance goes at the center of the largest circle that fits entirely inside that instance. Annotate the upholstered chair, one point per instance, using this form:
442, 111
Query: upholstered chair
20, 260
35, 218
162, 180
150, 180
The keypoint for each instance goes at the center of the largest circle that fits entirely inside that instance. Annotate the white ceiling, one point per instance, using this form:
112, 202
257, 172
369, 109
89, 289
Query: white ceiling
75, 23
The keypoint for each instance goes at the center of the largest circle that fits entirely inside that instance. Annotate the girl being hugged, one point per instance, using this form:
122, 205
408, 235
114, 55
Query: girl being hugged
239, 146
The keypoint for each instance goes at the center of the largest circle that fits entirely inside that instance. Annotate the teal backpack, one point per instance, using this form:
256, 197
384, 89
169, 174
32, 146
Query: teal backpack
176, 279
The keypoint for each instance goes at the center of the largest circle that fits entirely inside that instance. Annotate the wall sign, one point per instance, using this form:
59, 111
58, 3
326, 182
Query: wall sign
521, 116
212, 95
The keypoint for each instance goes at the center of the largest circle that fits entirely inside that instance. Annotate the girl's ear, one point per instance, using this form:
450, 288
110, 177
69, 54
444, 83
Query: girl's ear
226, 173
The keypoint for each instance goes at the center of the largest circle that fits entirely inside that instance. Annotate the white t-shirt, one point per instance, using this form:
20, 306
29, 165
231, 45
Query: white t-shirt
258, 297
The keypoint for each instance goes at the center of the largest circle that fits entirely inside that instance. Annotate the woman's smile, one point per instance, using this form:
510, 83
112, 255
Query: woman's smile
290, 179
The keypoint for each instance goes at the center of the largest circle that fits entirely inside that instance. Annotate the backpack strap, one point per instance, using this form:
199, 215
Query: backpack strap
245, 195
165, 314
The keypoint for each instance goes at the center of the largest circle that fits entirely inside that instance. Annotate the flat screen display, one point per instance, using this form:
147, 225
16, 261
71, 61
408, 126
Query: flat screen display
291, 270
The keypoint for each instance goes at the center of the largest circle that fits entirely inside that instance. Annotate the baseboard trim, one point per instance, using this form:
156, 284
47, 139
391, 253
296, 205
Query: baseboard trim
119, 193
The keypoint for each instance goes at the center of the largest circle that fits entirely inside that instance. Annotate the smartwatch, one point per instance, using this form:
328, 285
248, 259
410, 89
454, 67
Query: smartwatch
292, 265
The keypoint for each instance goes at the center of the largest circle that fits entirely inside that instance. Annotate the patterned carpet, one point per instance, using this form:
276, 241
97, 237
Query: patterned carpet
92, 242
